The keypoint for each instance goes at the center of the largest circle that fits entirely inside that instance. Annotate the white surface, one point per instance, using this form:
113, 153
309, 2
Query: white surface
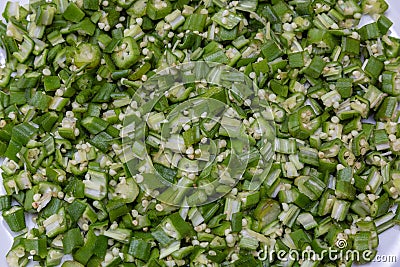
389, 241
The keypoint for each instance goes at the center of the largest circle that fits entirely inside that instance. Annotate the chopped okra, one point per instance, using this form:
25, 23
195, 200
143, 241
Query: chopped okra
198, 133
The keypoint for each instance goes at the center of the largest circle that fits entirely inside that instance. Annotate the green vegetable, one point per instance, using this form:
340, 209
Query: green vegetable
15, 218
126, 53
87, 55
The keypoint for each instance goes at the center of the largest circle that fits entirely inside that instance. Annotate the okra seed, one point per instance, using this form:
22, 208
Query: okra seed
234, 191
339, 167
85, 227
159, 207
12, 116
114, 225
145, 203
134, 213
115, 252
285, 206
204, 244
36, 197
230, 239
108, 257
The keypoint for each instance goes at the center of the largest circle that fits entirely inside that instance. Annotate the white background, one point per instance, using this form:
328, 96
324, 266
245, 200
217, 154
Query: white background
389, 240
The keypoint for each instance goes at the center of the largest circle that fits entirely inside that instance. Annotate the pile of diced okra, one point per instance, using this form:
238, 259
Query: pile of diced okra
72, 68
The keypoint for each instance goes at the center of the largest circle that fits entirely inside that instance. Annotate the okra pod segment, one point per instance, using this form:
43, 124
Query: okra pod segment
15, 218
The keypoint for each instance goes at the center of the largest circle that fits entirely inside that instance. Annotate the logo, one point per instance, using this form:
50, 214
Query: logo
340, 251
192, 131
